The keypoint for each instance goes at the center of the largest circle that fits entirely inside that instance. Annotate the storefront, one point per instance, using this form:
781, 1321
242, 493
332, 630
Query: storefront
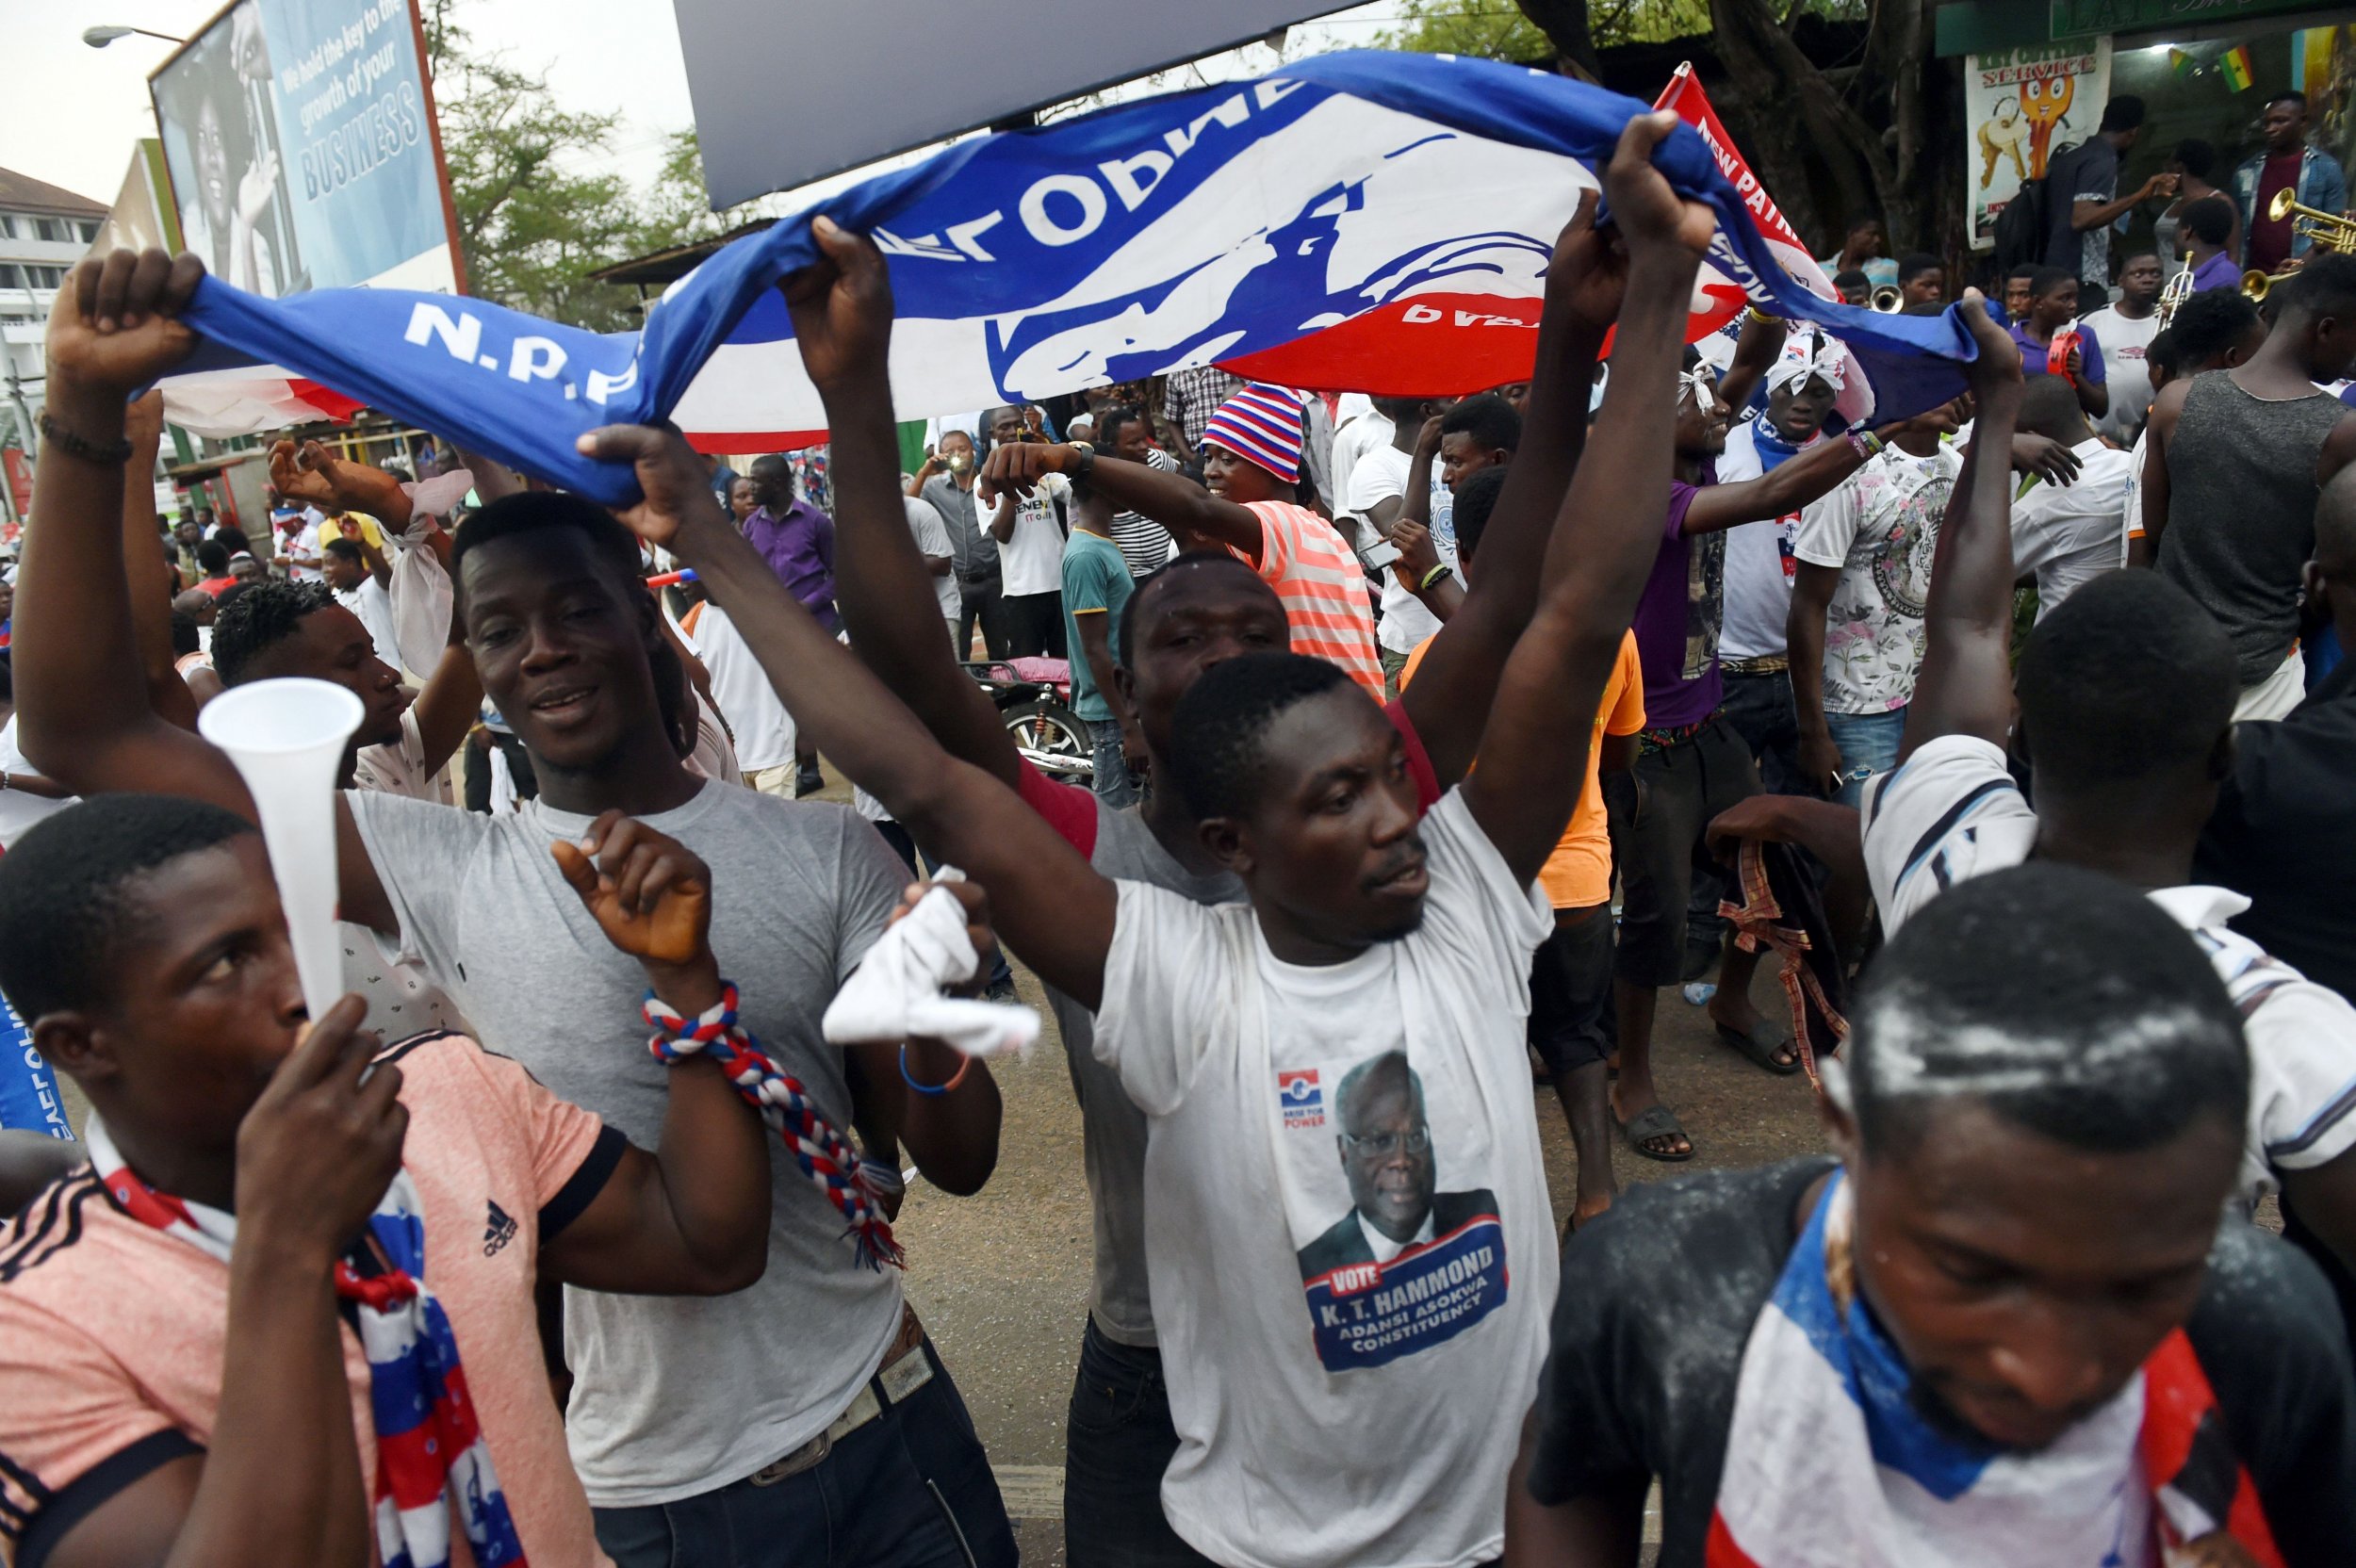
2037, 73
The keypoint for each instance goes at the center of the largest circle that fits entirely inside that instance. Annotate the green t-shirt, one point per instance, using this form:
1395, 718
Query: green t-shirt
1095, 579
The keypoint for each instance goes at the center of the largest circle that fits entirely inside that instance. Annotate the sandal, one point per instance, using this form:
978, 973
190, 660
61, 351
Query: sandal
1655, 1122
1760, 1054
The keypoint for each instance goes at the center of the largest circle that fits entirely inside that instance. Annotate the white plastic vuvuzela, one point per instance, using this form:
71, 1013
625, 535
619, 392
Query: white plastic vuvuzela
286, 738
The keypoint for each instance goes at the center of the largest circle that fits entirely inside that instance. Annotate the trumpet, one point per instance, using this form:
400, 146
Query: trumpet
2179, 290
2254, 285
1887, 298
2328, 229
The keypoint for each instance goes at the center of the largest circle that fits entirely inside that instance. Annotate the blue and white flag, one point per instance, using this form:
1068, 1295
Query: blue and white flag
1365, 220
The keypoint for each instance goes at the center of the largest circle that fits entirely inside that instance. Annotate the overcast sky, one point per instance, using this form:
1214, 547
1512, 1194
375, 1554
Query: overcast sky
68, 113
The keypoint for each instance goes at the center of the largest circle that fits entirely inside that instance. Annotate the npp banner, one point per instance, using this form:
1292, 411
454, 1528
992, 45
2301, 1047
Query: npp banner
1366, 221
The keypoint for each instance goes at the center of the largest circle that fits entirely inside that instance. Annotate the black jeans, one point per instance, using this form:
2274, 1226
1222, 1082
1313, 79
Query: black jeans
478, 784
912, 1489
1120, 1442
1034, 624
982, 603
1686, 784
1761, 708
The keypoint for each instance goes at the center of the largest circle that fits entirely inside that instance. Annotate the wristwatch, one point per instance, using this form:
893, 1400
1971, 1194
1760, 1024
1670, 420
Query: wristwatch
1087, 459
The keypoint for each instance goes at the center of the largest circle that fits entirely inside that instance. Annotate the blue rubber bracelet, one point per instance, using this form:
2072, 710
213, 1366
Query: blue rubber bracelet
955, 1078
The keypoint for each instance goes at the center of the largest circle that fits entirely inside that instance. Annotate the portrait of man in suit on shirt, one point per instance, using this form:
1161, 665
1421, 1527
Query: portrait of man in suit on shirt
1386, 1153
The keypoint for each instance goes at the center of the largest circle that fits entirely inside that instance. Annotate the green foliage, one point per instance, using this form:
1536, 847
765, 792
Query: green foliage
538, 203
1499, 30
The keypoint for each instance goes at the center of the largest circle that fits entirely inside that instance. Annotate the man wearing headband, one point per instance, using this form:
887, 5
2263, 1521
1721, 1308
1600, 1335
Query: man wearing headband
1801, 387
1692, 763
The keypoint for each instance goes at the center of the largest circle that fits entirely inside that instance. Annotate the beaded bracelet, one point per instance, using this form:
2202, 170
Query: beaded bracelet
1435, 575
82, 446
959, 1077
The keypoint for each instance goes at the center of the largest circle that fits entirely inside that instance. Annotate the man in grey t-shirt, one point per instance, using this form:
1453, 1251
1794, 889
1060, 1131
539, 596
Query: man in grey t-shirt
805, 1419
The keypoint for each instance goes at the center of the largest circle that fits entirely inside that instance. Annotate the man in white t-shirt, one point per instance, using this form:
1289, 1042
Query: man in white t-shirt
2068, 534
762, 729
1377, 491
2125, 329
1855, 627
360, 589
1354, 1031
2126, 699
1754, 653
1030, 534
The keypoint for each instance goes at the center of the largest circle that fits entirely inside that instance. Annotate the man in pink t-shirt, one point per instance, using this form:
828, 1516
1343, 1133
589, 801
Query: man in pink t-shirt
165, 1396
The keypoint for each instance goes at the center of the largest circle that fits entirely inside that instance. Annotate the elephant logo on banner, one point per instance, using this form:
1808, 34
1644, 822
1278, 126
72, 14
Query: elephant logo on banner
1348, 246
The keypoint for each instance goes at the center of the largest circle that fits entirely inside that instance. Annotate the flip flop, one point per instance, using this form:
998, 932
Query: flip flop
1654, 1123
1760, 1054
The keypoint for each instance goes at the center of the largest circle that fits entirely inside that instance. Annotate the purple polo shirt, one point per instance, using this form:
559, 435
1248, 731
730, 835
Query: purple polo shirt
799, 548
2218, 272
1678, 619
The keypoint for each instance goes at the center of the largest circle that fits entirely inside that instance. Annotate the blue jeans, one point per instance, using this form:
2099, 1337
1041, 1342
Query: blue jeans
1114, 786
1868, 748
912, 1489
1120, 1442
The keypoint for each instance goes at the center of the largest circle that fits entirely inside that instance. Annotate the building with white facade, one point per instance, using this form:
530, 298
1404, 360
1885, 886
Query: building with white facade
44, 231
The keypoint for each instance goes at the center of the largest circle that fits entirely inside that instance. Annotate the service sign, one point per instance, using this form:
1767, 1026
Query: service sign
2021, 106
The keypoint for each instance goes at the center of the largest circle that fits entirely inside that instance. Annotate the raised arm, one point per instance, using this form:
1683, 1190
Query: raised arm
150, 598
1173, 500
1052, 909
1453, 690
1965, 683
1756, 351
1794, 483
83, 714
1606, 534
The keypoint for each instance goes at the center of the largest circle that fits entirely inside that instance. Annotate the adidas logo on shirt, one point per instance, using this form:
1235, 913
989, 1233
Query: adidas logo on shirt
499, 1231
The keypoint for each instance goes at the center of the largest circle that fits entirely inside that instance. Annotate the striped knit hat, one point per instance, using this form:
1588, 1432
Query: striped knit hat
1260, 424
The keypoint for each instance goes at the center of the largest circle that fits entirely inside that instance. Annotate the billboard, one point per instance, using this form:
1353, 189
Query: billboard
785, 95
301, 148
2021, 106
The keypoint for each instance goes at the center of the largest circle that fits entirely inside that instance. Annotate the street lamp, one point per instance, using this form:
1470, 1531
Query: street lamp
98, 37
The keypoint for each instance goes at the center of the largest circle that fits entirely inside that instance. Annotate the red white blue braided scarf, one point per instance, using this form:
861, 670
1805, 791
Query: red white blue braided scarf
428, 1443
817, 1145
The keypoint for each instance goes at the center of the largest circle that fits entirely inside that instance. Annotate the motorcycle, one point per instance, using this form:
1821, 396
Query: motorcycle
1034, 701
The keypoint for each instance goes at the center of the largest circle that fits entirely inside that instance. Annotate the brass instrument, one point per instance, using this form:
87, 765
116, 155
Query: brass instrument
2179, 290
1887, 298
2327, 229
2254, 285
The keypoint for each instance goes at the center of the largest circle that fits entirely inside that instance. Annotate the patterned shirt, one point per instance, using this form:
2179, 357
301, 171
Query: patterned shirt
1189, 397
1323, 588
1880, 528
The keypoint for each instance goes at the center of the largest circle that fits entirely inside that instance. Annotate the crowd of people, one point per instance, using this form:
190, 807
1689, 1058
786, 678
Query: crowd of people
1431, 738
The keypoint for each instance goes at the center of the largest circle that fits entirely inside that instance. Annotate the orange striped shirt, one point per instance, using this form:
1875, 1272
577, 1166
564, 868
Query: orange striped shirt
1323, 588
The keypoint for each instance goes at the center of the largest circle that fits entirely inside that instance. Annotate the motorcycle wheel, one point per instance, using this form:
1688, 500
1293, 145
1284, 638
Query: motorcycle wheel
1052, 739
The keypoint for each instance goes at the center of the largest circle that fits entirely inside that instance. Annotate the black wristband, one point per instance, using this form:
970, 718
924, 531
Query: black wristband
82, 446
1088, 458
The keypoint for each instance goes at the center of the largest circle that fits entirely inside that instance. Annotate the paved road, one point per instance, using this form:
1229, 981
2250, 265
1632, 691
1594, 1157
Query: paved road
1001, 1278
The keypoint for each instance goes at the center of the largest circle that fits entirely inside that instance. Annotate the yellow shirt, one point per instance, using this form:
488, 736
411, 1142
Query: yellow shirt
1578, 874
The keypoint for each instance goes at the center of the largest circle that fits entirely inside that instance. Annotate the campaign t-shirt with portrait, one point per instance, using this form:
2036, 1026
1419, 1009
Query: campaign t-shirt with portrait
1879, 528
1349, 1232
